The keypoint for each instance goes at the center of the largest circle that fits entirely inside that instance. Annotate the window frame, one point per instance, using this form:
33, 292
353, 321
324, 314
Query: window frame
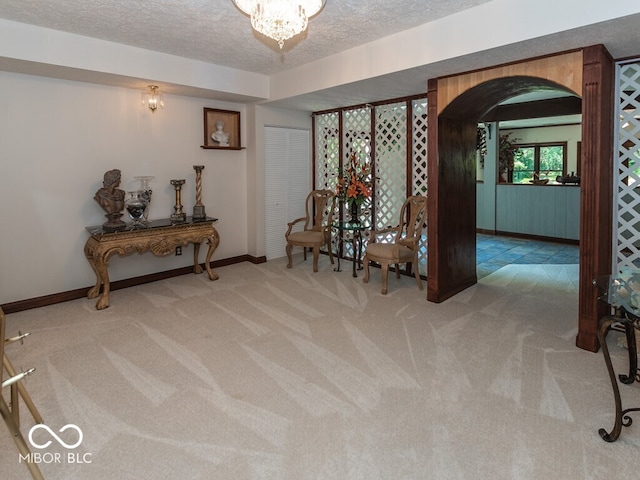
536, 158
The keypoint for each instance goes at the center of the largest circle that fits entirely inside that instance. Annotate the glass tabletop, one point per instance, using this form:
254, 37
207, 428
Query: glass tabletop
621, 290
351, 226
98, 230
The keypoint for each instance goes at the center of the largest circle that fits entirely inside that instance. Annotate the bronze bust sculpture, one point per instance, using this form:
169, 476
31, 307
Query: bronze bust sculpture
111, 199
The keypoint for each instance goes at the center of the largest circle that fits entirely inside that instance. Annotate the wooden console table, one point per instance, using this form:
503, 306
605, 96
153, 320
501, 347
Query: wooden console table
159, 237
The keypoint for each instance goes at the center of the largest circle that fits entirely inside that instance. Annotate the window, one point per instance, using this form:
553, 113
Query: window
539, 161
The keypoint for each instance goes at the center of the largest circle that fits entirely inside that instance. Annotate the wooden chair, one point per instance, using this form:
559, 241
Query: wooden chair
404, 244
317, 226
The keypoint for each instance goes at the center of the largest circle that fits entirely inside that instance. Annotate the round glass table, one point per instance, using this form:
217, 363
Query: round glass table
345, 231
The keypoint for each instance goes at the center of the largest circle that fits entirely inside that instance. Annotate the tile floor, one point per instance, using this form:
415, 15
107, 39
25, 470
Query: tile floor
494, 252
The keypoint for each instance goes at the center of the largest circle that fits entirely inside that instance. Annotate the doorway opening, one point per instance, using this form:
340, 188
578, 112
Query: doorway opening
456, 105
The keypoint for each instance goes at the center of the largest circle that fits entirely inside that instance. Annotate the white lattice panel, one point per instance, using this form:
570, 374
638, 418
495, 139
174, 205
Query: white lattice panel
391, 163
356, 138
327, 146
357, 133
419, 165
627, 201
419, 147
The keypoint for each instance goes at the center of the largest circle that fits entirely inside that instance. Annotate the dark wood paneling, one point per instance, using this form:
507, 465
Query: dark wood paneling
452, 201
596, 201
552, 107
433, 204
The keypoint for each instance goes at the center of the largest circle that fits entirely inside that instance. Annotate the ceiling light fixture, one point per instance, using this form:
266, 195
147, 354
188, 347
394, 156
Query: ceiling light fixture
280, 19
153, 98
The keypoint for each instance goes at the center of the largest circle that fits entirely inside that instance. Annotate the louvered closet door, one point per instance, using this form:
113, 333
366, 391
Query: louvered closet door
287, 183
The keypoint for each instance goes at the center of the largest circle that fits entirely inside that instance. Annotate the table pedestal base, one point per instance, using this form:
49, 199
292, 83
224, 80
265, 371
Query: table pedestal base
355, 229
622, 418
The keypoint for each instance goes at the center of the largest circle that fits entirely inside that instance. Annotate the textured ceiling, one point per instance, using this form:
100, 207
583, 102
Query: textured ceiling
215, 31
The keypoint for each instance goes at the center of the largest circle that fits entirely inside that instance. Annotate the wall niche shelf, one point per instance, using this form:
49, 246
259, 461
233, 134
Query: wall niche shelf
210, 147
221, 129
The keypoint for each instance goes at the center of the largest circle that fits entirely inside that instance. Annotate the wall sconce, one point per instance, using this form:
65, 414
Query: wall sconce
153, 98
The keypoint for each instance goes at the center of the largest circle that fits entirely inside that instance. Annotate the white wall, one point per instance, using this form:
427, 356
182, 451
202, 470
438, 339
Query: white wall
58, 137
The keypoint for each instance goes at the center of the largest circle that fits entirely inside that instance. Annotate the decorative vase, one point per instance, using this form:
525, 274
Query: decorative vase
135, 205
146, 190
355, 212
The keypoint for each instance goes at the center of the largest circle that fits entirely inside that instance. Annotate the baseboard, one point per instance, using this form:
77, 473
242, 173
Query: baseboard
37, 302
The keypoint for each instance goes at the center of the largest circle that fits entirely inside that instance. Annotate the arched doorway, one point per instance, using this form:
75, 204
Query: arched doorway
456, 104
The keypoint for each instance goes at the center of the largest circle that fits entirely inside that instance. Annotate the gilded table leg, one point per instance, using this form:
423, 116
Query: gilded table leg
90, 254
100, 266
605, 325
213, 240
98, 261
196, 252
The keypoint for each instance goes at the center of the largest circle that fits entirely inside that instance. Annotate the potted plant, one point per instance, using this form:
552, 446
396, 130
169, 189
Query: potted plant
354, 184
507, 151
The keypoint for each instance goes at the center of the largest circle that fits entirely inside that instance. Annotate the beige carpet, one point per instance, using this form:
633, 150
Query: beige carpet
276, 374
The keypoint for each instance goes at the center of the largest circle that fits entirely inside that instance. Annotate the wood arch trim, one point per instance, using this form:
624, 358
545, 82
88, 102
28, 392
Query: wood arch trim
564, 70
589, 73
477, 101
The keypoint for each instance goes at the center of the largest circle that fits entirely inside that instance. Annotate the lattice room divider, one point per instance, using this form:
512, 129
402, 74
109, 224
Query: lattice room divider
327, 152
626, 229
386, 146
390, 162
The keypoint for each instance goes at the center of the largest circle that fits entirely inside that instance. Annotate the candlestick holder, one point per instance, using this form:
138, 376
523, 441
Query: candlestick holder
198, 208
178, 216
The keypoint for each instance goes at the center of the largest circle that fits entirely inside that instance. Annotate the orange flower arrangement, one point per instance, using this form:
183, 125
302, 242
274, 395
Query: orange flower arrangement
354, 182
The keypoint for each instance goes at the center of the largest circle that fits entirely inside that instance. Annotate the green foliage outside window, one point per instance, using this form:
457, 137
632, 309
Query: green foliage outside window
539, 162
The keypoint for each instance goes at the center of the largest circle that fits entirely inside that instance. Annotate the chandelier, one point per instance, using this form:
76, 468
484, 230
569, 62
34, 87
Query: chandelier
280, 19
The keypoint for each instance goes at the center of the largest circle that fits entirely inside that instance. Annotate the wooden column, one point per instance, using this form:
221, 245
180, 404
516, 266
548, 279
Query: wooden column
596, 201
451, 225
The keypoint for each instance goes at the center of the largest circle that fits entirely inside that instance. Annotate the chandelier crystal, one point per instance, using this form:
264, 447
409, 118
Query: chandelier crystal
280, 19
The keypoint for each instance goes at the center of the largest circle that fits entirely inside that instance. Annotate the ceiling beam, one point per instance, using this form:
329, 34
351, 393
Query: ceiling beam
553, 107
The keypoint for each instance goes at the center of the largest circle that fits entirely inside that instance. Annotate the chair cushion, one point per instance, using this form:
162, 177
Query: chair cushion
389, 252
307, 237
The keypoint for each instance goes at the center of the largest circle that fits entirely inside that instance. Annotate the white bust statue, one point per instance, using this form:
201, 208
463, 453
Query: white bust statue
220, 136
